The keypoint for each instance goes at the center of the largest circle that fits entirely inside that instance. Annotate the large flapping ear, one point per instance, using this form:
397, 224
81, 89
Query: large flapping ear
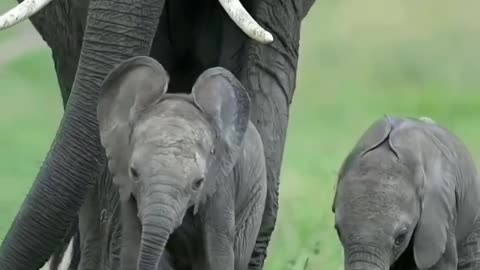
226, 104
430, 238
127, 90
373, 137
435, 176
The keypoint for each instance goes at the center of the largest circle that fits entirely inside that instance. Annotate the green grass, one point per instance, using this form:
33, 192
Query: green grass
359, 60
30, 107
6, 5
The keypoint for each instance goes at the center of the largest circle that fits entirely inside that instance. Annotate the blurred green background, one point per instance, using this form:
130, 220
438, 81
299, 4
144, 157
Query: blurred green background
358, 61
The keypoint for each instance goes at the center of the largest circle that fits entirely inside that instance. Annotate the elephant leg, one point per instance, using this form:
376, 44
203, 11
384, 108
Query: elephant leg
218, 226
469, 251
97, 219
271, 117
109, 211
59, 255
89, 228
131, 235
166, 263
247, 228
75, 257
270, 77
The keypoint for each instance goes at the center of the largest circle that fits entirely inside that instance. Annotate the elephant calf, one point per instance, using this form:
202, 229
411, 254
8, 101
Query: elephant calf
190, 167
408, 197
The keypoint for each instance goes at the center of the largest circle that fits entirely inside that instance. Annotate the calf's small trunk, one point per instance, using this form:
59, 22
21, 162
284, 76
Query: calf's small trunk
160, 218
363, 266
366, 258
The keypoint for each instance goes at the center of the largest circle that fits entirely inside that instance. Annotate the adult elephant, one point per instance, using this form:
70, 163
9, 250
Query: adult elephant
88, 39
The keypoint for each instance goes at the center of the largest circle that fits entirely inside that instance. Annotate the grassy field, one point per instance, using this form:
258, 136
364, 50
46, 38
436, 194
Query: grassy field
359, 60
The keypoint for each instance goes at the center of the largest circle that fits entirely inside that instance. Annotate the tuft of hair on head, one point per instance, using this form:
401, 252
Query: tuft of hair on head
426, 119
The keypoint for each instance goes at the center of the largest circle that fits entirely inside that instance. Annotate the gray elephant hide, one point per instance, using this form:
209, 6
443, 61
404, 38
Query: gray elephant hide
190, 168
409, 186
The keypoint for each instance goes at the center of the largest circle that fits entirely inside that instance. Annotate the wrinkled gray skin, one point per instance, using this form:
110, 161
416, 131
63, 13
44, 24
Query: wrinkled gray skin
408, 197
190, 168
88, 39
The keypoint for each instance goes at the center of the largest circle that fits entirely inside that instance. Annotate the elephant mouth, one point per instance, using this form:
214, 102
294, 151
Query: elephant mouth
234, 8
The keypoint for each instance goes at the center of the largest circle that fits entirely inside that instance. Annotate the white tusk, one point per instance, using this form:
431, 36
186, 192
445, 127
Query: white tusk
242, 19
21, 12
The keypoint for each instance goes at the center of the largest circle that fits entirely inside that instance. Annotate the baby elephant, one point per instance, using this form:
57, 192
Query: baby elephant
190, 168
408, 197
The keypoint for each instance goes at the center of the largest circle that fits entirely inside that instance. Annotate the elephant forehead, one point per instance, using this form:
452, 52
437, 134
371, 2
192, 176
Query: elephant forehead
178, 161
378, 197
173, 131
373, 204
172, 143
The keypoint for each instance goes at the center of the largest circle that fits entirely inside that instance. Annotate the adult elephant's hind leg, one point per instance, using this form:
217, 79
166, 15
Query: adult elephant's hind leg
270, 80
247, 227
272, 119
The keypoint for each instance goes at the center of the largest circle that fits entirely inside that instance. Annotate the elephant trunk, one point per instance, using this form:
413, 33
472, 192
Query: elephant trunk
160, 218
156, 231
116, 30
366, 258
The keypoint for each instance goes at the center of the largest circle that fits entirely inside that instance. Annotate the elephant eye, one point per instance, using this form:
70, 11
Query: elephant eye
134, 172
197, 184
400, 238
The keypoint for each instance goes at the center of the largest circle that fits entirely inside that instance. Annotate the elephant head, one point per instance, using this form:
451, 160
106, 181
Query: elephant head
393, 203
169, 152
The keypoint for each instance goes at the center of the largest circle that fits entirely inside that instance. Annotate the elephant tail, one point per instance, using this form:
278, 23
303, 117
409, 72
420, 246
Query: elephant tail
72, 236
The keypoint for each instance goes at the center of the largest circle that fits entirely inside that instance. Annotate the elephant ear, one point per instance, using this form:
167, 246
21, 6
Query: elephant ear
434, 174
126, 91
376, 134
433, 227
226, 104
